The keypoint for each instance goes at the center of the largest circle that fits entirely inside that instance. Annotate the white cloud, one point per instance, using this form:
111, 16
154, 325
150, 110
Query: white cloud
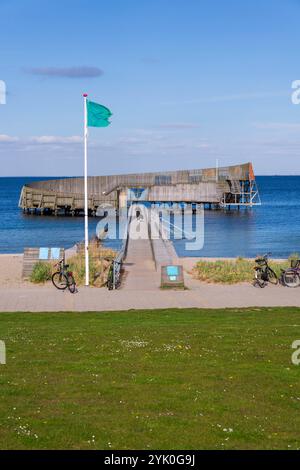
179, 125
7, 138
42, 140
53, 139
277, 125
142, 143
2, 92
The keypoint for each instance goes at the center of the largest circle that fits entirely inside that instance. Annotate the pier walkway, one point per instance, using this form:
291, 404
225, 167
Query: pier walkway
145, 255
139, 266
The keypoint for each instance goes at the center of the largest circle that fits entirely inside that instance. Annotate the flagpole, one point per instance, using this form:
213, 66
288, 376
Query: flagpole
86, 207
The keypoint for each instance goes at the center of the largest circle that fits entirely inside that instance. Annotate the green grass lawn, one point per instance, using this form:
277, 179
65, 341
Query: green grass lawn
164, 379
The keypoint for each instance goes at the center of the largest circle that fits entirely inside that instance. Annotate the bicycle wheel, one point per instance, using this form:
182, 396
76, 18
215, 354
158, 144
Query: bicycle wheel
117, 281
258, 279
71, 283
110, 283
272, 276
60, 280
291, 279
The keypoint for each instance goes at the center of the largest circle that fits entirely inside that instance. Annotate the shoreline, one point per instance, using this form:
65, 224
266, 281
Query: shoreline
19, 295
11, 266
202, 258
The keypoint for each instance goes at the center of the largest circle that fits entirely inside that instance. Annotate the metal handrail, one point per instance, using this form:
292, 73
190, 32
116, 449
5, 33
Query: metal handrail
117, 262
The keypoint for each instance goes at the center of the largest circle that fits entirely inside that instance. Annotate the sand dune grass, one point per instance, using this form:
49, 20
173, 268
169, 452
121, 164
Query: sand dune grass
233, 271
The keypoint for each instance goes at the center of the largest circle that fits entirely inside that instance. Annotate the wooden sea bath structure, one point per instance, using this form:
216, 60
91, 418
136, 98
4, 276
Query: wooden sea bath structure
213, 187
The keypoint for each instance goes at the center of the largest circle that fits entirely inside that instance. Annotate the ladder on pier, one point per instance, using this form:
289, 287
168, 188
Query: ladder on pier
235, 187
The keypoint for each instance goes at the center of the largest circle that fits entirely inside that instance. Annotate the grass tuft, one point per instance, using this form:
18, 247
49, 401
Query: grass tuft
233, 271
41, 272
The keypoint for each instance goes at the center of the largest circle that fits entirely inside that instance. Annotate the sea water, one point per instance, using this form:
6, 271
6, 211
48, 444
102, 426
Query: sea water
272, 227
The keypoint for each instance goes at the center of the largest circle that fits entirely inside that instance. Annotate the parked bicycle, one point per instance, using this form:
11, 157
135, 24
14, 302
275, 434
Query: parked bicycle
263, 272
114, 276
64, 279
291, 277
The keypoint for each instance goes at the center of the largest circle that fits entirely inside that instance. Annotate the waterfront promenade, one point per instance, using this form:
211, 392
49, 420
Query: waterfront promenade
16, 295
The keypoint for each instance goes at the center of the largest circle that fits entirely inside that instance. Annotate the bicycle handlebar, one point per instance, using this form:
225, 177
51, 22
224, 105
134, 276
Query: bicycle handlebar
59, 262
265, 256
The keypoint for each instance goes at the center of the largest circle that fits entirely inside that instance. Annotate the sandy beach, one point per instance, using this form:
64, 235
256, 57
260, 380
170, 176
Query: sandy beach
11, 270
11, 265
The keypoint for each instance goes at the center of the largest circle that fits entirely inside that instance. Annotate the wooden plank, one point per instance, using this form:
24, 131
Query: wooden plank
31, 257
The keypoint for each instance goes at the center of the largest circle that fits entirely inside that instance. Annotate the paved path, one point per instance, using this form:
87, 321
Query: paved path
139, 266
141, 291
47, 298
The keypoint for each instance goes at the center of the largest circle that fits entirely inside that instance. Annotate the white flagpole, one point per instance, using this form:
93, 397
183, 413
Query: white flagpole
86, 207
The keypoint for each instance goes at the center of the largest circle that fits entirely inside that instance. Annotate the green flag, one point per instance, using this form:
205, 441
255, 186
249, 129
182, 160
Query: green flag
97, 115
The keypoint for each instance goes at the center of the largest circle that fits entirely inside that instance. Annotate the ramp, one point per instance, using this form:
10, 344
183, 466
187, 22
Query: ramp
140, 272
145, 255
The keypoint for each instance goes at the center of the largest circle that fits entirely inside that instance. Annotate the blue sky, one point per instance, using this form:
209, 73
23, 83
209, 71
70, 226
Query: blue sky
187, 81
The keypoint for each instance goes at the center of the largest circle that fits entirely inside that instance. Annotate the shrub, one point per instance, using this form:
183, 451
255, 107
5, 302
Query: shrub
41, 272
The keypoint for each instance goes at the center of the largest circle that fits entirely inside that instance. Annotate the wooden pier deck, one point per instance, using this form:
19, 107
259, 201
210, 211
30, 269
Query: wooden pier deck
145, 256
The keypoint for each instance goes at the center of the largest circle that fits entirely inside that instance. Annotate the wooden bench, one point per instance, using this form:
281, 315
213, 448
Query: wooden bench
45, 255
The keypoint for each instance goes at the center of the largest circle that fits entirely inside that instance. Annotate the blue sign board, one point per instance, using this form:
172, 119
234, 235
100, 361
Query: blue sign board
172, 270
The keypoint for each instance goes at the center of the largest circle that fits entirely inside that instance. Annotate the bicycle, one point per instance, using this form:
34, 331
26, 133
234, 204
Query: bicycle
291, 276
113, 277
64, 279
263, 272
